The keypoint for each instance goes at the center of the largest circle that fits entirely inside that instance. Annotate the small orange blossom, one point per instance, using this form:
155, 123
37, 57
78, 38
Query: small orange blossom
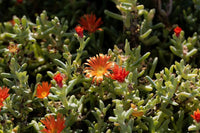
90, 23
3, 95
196, 115
43, 91
52, 125
119, 73
99, 66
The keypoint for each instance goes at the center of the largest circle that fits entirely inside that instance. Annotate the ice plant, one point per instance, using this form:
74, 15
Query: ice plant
52, 125
79, 31
43, 91
99, 66
196, 115
90, 23
119, 73
177, 31
3, 95
58, 78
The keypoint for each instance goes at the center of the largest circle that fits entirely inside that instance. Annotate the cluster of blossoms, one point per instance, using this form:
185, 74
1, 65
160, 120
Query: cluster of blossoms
100, 66
43, 90
51, 125
97, 67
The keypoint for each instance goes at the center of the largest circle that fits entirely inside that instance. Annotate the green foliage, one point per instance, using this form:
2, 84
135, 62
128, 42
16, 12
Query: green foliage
184, 48
130, 15
159, 93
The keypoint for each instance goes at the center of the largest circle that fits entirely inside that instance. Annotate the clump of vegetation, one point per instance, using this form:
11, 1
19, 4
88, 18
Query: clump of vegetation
74, 66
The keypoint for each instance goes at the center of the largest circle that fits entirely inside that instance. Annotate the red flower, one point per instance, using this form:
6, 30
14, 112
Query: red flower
99, 66
79, 31
19, 1
90, 23
52, 125
196, 115
3, 95
177, 31
43, 91
58, 78
119, 74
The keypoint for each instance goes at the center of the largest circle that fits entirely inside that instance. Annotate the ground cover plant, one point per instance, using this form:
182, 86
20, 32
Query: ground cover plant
111, 66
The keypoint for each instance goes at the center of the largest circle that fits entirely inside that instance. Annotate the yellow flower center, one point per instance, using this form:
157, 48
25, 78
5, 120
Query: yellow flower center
100, 71
44, 94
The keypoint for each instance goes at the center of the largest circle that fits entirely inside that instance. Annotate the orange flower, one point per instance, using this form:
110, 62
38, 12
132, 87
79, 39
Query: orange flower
3, 95
52, 125
79, 31
58, 78
43, 91
196, 115
13, 48
90, 23
136, 113
177, 31
99, 67
119, 74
